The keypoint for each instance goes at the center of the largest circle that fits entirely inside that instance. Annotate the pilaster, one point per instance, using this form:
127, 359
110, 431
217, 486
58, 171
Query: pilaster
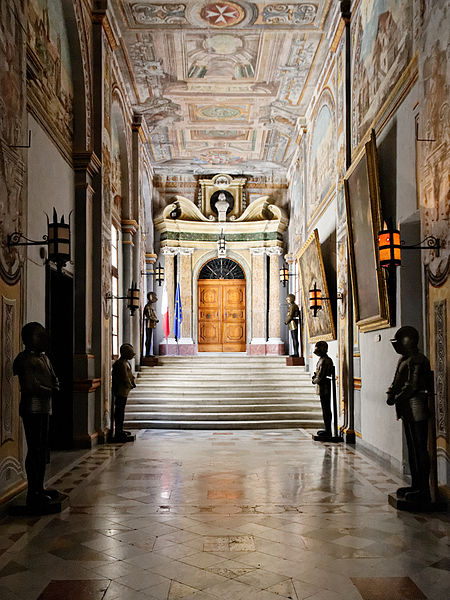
275, 344
258, 340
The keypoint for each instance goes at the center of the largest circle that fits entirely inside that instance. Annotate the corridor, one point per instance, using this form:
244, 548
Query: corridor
225, 515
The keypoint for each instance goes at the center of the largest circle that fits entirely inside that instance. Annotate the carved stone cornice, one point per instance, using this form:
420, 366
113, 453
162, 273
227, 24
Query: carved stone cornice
173, 250
266, 250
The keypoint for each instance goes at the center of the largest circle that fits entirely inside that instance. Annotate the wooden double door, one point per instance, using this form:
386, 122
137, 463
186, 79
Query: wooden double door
221, 315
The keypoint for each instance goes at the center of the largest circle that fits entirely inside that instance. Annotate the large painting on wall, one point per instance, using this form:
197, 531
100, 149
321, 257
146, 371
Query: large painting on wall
362, 200
311, 270
322, 155
382, 48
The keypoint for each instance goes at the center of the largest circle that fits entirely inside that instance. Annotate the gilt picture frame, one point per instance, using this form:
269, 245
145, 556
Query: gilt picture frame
311, 270
363, 209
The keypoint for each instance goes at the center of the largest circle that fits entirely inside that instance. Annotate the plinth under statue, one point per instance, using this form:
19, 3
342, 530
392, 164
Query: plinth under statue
150, 320
37, 383
409, 394
122, 383
322, 379
292, 317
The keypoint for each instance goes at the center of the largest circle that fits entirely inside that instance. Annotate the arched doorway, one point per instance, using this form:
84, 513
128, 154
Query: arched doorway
221, 307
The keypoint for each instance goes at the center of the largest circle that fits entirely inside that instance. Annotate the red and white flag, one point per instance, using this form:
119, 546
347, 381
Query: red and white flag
165, 312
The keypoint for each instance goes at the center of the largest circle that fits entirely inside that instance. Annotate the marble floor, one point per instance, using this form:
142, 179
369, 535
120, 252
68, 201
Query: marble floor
203, 515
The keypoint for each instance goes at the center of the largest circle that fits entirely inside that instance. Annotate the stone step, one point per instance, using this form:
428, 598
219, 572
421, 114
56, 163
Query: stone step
223, 391
226, 425
232, 408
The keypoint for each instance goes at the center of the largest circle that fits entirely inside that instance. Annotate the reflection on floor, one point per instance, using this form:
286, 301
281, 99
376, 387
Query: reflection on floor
226, 515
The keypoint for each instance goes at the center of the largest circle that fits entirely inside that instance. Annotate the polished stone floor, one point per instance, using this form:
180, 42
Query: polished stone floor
226, 516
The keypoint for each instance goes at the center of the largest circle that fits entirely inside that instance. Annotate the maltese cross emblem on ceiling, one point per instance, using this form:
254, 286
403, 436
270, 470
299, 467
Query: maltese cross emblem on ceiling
222, 14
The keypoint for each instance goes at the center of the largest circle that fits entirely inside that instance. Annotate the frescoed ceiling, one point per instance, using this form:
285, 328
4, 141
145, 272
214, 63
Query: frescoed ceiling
221, 83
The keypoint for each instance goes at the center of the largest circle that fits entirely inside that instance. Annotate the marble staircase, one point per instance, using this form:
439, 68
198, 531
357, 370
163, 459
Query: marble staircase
223, 391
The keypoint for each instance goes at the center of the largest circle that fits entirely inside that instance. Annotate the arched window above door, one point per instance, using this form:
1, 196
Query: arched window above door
221, 268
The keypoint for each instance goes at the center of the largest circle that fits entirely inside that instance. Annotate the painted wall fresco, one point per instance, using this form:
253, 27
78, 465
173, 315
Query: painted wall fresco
12, 198
12, 133
50, 93
433, 163
382, 43
322, 154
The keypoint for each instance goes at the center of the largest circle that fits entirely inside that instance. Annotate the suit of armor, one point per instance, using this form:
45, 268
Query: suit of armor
409, 393
122, 383
150, 320
292, 317
322, 378
37, 383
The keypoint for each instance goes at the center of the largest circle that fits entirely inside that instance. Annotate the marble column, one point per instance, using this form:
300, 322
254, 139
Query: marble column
258, 340
186, 343
275, 344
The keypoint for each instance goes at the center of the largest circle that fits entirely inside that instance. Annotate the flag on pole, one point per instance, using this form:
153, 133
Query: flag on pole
178, 314
165, 312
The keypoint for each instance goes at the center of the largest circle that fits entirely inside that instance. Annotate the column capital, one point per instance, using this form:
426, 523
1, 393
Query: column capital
150, 258
129, 226
289, 258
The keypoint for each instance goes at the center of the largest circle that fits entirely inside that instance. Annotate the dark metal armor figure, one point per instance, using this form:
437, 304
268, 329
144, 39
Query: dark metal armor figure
37, 383
322, 378
122, 383
409, 393
150, 320
292, 317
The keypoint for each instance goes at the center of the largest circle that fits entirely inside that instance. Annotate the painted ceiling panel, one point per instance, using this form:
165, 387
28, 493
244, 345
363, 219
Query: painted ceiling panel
222, 83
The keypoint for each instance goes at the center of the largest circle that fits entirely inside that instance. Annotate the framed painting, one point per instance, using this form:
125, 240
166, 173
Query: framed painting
362, 200
311, 270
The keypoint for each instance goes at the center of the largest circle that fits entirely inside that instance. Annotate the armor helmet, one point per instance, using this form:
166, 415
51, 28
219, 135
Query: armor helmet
321, 348
127, 351
34, 336
290, 297
405, 340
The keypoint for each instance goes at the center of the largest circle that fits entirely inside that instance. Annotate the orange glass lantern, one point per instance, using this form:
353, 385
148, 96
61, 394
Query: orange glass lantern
389, 248
284, 275
315, 299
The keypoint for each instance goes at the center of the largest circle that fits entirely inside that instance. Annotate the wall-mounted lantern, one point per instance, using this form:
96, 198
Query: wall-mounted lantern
316, 299
57, 240
157, 273
221, 245
132, 297
284, 275
390, 247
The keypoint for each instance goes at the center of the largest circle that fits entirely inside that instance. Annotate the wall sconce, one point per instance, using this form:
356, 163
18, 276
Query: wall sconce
316, 298
390, 247
132, 297
157, 273
284, 275
57, 240
221, 244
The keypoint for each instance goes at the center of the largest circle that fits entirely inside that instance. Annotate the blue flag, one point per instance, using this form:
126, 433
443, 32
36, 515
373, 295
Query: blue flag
178, 318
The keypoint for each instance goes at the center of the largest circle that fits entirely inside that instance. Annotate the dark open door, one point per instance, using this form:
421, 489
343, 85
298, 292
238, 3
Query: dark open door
59, 324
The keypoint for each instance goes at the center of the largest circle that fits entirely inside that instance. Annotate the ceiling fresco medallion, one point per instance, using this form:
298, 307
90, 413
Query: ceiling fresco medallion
222, 14
221, 113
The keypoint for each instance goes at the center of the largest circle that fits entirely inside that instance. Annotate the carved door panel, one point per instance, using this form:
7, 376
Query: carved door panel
221, 316
233, 337
209, 316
